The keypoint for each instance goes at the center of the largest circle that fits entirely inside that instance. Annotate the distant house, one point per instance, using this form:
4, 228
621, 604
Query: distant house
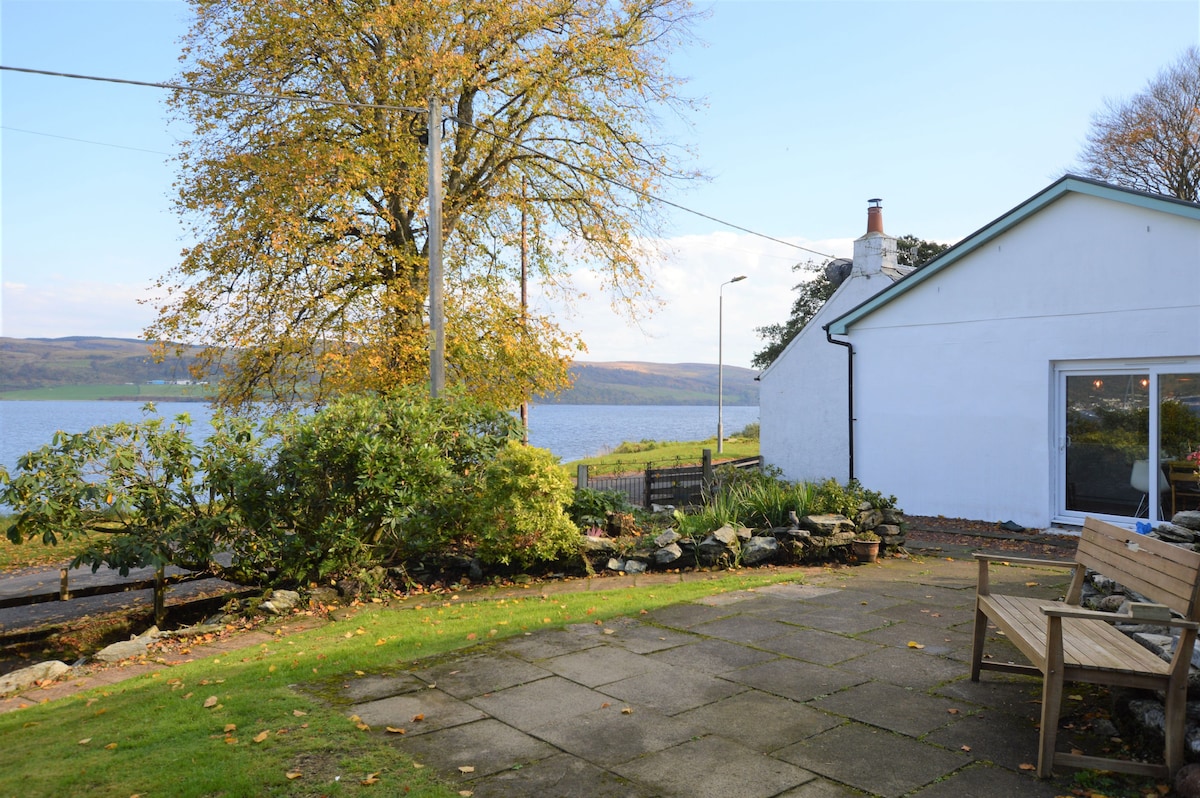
1033, 372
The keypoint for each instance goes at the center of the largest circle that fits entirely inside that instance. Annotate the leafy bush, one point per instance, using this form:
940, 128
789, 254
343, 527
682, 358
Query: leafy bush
516, 515
835, 498
590, 507
365, 480
136, 486
749, 432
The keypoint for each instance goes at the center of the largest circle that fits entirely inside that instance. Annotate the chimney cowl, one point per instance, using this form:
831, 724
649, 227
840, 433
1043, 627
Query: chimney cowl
875, 216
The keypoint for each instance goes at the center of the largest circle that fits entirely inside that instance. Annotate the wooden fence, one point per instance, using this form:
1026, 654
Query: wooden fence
660, 484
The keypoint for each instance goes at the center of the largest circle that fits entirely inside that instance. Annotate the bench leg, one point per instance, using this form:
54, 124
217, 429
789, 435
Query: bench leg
981, 621
1052, 694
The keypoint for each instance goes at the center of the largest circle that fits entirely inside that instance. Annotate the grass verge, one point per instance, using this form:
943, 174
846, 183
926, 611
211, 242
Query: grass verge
265, 720
33, 552
632, 456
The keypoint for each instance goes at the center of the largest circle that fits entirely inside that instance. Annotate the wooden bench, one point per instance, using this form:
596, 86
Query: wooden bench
1066, 643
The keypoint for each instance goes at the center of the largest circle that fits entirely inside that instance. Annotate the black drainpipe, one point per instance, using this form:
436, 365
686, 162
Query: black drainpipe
849, 392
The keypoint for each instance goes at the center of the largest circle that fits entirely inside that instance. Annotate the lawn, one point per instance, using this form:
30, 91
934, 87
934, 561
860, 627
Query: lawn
633, 456
260, 721
30, 553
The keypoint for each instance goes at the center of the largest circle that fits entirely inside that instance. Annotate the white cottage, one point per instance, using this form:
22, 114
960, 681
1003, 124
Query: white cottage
1045, 368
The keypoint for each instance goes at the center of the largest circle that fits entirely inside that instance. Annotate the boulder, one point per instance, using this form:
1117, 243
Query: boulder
323, 595
600, 545
726, 535
667, 538
615, 564
280, 602
759, 549
635, 567
668, 554
27, 677
1187, 518
827, 525
1174, 533
134, 647
868, 518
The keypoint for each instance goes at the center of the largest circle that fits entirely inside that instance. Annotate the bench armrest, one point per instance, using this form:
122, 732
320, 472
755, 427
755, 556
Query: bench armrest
987, 557
1068, 611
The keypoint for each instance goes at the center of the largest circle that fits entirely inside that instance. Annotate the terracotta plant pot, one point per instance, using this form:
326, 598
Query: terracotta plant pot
865, 550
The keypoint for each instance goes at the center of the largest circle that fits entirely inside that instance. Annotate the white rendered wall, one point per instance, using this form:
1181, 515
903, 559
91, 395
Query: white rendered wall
802, 399
954, 380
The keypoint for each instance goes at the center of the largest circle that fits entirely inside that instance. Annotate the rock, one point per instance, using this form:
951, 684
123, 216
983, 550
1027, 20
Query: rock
125, 649
712, 549
27, 677
759, 549
1187, 781
1110, 603
868, 519
893, 516
726, 535
827, 525
323, 595
667, 538
594, 544
1173, 533
1189, 519
635, 567
888, 531
744, 533
668, 554
280, 602
615, 564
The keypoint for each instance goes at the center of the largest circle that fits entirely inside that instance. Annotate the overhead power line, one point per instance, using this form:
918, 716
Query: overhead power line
415, 110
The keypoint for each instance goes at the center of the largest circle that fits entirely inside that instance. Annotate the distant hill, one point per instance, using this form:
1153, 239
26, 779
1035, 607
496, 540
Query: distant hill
28, 364
635, 383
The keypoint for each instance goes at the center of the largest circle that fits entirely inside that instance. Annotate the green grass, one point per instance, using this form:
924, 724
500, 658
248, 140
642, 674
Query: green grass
272, 715
195, 393
634, 456
30, 553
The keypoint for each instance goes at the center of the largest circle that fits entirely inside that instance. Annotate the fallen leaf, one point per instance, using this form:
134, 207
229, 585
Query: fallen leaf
418, 718
953, 711
466, 769
85, 741
371, 779
966, 748
627, 711
362, 726
110, 746
1031, 584
1075, 697
229, 727
394, 730
210, 702
293, 774
914, 644
466, 792
299, 713
258, 738
1027, 766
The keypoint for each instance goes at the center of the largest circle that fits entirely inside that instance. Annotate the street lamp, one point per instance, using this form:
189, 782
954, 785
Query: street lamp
721, 361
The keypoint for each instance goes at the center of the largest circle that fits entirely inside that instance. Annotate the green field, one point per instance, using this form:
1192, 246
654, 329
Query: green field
192, 393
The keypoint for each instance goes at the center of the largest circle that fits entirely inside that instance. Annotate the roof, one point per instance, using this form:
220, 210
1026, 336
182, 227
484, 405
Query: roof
1055, 191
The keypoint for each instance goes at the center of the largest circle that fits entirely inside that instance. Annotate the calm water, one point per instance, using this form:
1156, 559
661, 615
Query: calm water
569, 431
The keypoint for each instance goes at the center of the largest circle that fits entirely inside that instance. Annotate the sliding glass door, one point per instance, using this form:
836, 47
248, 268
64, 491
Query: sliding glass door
1127, 440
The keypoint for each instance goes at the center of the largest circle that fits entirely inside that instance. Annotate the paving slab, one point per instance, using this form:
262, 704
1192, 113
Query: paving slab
897, 709
671, 692
436, 709
645, 638
532, 647
990, 782
992, 737
601, 665
686, 616
486, 745
880, 762
760, 721
562, 776
481, 674
938, 641
742, 628
529, 706
712, 656
381, 685
908, 667
712, 767
799, 681
816, 646
846, 621
617, 734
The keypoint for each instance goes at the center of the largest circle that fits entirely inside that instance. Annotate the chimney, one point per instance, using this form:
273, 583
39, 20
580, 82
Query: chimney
875, 252
875, 216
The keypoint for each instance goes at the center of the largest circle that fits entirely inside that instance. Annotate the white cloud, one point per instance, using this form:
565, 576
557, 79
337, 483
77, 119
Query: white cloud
688, 282
62, 307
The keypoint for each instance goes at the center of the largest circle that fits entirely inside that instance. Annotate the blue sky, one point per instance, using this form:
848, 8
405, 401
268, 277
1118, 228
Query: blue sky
952, 112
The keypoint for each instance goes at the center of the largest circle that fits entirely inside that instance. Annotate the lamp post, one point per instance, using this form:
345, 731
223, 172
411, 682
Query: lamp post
721, 361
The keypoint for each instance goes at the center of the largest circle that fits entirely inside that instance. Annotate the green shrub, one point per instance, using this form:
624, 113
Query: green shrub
517, 513
749, 432
590, 507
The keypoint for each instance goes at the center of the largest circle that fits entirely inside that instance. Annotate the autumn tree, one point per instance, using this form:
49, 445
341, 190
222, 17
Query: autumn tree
812, 293
309, 273
1151, 142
